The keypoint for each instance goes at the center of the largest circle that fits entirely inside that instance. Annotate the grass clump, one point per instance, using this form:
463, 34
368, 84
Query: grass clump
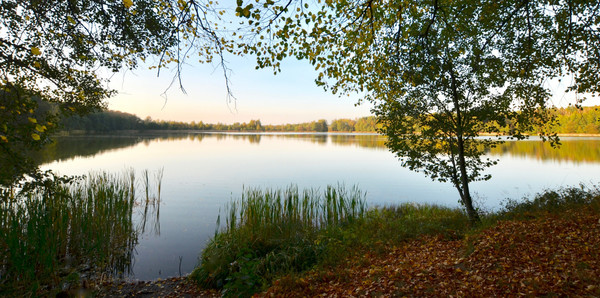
551, 201
272, 232
407, 221
56, 231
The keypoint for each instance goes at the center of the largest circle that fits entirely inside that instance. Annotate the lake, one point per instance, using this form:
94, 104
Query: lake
202, 172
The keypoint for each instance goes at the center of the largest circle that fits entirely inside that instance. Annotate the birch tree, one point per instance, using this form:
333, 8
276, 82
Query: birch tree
446, 77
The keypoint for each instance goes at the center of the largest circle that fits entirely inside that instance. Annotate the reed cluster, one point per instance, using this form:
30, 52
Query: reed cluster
270, 232
58, 230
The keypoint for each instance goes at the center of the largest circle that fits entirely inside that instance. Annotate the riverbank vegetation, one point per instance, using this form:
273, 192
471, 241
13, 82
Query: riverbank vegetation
61, 232
267, 233
546, 245
71, 233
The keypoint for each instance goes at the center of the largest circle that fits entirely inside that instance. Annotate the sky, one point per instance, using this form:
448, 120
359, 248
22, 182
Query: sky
291, 96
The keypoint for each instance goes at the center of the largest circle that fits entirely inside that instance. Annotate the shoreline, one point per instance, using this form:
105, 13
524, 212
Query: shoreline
190, 131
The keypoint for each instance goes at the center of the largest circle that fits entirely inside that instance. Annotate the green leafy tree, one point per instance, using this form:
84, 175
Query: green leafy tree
366, 124
439, 72
318, 126
255, 125
342, 125
56, 52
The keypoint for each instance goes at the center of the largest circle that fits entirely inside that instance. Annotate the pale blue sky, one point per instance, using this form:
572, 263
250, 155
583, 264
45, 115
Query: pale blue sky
288, 97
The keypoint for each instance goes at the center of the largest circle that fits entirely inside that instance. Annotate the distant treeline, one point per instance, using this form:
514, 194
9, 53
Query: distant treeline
107, 121
571, 120
579, 121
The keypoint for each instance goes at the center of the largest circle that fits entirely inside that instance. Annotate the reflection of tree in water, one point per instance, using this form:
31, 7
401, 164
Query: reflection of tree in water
254, 139
577, 150
251, 138
220, 136
319, 138
580, 149
69, 147
364, 141
64, 148
196, 137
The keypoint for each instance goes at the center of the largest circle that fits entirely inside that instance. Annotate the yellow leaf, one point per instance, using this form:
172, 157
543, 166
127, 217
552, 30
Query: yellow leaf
35, 136
32, 120
40, 128
36, 51
128, 3
4, 139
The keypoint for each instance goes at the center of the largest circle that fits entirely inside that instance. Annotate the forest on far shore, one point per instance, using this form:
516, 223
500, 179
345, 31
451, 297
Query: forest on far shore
571, 120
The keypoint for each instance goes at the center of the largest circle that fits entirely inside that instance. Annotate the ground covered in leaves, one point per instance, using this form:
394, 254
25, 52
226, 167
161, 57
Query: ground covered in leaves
546, 255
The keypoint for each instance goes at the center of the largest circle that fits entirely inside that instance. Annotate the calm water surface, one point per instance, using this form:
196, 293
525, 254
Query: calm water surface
202, 172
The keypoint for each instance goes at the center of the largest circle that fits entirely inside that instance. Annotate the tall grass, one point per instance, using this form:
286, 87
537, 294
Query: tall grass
289, 209
552, 201
59, 231
270, 232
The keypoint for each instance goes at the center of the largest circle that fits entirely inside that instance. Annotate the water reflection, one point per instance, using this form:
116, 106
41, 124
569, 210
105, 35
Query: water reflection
578, 149
149, 220
571, 149
203, 171
65, 148
371, 141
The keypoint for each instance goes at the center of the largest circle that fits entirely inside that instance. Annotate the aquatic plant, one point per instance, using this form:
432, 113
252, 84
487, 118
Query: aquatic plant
269, 232
60, 230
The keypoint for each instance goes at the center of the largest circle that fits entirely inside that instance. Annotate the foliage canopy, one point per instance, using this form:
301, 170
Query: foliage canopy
440, 73
56, 57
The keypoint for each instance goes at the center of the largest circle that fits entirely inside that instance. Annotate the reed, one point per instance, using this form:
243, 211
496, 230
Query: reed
270, 232
59, 231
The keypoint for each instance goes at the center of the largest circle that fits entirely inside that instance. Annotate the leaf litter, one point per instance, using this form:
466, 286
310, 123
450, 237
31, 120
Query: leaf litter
548, 255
